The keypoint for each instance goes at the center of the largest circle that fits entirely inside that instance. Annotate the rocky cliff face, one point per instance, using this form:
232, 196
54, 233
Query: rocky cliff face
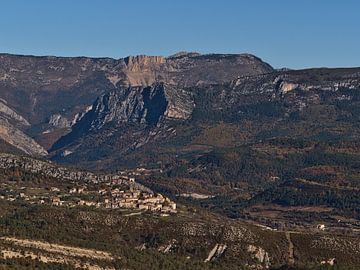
143, 98
190, 69
148, 107
11, 124
141, 63
19, 139
143, 105
10, 114
50, 93
58, 121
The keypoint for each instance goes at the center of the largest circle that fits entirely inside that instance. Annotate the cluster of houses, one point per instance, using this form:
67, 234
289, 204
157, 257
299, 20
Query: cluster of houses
107, 198
139, 200
116, 199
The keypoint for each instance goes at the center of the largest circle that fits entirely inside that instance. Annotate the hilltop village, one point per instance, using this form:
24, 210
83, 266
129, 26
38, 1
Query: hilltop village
82, 189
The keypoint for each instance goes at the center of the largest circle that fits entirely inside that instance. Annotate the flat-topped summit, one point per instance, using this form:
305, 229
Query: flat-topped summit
141, 61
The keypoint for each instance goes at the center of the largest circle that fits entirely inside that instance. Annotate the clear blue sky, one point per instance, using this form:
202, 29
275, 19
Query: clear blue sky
285, 33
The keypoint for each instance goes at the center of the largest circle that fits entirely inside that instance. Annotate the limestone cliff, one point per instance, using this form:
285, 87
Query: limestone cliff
19, 139
143, 105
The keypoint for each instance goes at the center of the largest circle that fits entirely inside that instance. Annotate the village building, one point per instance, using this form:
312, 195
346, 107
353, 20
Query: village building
56, 201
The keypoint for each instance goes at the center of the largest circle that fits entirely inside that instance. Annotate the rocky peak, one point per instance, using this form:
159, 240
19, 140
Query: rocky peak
141, 105
138, 105
147, 107
140, 62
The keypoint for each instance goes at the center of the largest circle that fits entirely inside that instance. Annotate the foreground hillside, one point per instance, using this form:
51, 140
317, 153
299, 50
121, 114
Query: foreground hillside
80, 236
185, 240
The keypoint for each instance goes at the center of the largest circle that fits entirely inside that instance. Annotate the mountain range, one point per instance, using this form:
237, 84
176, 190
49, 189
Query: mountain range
226, 136
55, 107
54, 93
228, 121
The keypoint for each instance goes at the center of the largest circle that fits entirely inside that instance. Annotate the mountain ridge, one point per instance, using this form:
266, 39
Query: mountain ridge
220, 133
51, 93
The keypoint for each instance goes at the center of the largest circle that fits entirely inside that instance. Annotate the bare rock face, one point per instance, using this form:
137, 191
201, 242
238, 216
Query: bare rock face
260, 255
142, 70
322, 79
57, 120
148, 108
190, 69
10, 124
142, 105
11, 114
287, 87
180, 105
140, 63
19, 139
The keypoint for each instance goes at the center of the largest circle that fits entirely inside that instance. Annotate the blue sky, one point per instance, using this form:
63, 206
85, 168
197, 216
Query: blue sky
285, 33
